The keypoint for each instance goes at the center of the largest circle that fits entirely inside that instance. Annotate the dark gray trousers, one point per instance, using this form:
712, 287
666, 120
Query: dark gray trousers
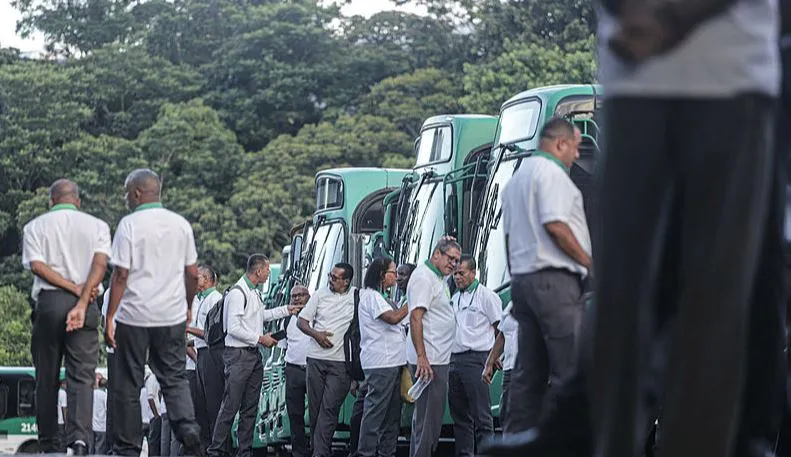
679, 241
469, 402
211, 375
429, 410
548, 308
244, 374
381, 413
356, 419
50, 346
296, 392
198, 402
154, 436
165, 349
99, 443
328, 386
108, 436
199, 397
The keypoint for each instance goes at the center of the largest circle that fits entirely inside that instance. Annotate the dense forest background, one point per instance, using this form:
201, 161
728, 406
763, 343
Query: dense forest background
238, 103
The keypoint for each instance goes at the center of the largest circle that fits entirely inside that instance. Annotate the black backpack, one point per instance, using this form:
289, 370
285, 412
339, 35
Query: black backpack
351, 343
214, 331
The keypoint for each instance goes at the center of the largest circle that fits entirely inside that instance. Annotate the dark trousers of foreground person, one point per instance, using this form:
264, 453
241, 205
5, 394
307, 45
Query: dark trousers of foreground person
296, 391
50, 345
165, 348
706, 185
108, 436
244, 374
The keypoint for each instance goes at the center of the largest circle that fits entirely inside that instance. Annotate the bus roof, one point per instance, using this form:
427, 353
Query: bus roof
358, 183
556, 91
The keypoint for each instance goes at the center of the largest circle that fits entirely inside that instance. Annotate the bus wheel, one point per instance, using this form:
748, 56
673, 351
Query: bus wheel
30, 447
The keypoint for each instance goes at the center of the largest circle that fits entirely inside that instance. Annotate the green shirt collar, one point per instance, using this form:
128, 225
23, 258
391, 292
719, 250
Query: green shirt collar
62, 206
205, 293
249, 283
471, 288
149, 206
434, 269
551, 157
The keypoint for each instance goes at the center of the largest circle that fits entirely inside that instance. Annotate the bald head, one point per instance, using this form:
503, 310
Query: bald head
64, 191
299, 295
142, 186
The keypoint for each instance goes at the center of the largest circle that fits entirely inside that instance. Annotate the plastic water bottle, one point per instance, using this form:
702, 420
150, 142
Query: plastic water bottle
418, 388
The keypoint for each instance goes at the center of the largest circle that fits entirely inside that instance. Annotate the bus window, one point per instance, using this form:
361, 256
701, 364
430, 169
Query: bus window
3, 401
26, 395
436, 145
329, 193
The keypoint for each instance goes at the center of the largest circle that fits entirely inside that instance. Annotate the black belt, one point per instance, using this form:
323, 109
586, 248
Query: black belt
301, 367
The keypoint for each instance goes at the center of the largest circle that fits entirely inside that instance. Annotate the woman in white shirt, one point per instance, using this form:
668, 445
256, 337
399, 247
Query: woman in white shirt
382, 357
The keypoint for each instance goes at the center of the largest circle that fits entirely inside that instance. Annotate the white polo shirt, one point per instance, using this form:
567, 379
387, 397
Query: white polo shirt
189, 363
541, 192
477, 310
155, 245
329, 312
105, 305
99, 410
427, 289
296, 343
510, 330
245, 324
153, 393
381, 344
62, 403
206, 301
65, 239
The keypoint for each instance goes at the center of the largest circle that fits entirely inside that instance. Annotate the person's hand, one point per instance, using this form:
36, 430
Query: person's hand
489, 370
94, 293
323, 338
294, 309
642, 35
267, 340
424, 370
109, 331
76, 289
353, 388
75, 319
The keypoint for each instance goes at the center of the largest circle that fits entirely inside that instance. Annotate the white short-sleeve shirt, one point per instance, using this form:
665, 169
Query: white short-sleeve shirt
510, 330
62, 403
190, 364
327, 311
477, 309
382, 344
153, 393
99, 410
65, 239
427, 289
296, 343
541, 192
155, 245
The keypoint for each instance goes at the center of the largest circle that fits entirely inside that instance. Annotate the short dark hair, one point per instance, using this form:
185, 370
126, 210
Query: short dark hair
256, 261
348, 270
376, 272
409, 266
557, 127
469, 261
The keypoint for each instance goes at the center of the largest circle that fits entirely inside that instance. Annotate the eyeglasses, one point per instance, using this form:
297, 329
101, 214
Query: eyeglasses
453, 260
335, 278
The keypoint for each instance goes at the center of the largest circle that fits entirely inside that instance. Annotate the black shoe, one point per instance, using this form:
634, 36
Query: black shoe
533, 443
79, 448
192, 445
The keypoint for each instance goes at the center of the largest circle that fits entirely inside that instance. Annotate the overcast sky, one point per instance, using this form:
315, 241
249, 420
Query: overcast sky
9, 16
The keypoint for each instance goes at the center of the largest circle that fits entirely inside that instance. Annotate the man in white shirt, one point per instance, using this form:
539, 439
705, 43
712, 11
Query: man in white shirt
244, 317
549, 254
296, 344
99, 416
67, 251
432, 329
155, 277
478, 312
329, 311
210, 376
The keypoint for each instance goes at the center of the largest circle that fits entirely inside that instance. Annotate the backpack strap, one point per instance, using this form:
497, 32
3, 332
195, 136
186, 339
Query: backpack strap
355, 318
228, 292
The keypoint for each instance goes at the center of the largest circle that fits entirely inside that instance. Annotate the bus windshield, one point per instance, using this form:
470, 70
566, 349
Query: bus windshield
330, 248
426, 221
518, 122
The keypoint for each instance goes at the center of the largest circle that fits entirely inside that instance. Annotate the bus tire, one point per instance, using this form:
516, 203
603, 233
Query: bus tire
29, 447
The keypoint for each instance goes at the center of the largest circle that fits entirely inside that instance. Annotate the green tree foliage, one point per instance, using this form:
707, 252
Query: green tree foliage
522, 67
238, 103
14, 327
